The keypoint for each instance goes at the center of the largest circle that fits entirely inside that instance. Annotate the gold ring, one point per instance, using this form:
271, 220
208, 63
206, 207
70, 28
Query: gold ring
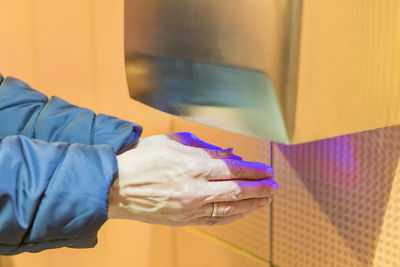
214, 211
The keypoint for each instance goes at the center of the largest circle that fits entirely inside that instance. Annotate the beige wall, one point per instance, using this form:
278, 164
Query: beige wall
339, 201
349, 66
73, 49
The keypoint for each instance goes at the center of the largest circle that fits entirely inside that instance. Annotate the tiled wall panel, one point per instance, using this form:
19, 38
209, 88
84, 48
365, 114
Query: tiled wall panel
388, 248
16, 41
112, 92
338, 201
349, 66
63, 56
73, 49
252, 232
195, 249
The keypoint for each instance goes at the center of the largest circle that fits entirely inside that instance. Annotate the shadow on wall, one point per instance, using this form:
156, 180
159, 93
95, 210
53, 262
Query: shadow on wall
350, 178
6, 261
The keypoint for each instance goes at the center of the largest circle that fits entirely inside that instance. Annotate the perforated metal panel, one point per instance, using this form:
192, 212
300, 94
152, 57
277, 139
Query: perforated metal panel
339, 201
195, 249
388, 248
252, 232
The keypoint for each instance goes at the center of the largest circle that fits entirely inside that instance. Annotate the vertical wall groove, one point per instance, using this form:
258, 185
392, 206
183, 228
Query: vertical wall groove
271, 213
94, 51
34, 60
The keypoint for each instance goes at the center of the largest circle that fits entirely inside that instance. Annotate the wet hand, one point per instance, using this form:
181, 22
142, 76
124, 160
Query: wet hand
176, 179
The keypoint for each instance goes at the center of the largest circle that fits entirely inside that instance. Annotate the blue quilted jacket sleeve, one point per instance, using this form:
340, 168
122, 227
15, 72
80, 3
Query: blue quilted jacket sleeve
24, 111
57, 162
52, 194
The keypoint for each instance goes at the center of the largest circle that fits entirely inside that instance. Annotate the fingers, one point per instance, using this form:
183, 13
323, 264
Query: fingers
226, 209
226, 212
233, 169
217, 220
221, 154
227, 191
189, 139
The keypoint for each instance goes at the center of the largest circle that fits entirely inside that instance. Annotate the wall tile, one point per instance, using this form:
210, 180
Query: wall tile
112, 92
198, 250
63, 43
16, 43
349, 65
333, 199
74, 49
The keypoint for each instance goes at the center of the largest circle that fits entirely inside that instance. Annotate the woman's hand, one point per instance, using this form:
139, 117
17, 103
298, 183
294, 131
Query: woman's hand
187, 139
162, 181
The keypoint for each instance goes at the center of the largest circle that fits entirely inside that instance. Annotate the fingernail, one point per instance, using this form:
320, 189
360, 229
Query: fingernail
225, 152
274, 188
270, 170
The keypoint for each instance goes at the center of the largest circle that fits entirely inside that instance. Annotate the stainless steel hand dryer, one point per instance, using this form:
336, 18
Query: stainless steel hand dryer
234, 65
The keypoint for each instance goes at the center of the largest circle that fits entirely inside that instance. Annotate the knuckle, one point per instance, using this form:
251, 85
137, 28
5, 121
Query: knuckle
254, 204
203, 153
183, 133
171, 144
236, 193
167, 150
207, 173
185, 200
189, 135
212, 221
230, 164
189, 198
194, 168
235, 168
228, 210
256, 174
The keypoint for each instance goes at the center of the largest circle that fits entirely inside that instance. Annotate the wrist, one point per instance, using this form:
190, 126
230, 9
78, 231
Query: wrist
116, 202
113, 199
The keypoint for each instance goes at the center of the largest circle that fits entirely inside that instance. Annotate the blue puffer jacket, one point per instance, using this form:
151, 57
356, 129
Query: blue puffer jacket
57, 162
